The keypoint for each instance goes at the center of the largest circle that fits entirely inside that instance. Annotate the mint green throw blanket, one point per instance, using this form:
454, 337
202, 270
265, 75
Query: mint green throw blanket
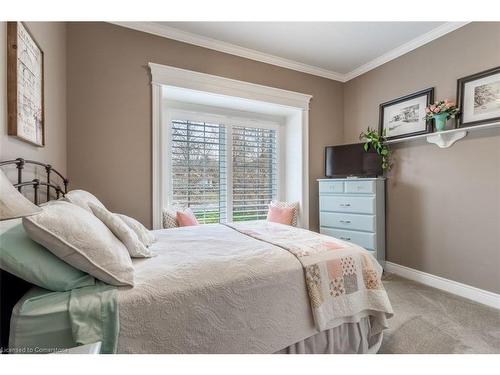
45, 321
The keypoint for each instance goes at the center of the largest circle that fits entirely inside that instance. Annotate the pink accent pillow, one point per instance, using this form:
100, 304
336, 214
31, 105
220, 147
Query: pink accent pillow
281, 215
186, 218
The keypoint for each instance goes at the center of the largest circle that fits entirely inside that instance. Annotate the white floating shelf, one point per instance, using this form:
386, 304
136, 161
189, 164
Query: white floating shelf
447, 138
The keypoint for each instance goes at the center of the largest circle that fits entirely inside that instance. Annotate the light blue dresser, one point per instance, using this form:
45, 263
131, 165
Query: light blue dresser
353, 209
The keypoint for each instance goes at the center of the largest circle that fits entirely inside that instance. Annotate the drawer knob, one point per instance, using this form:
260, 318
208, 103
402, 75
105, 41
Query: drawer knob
345, 205
345, 238
345, 221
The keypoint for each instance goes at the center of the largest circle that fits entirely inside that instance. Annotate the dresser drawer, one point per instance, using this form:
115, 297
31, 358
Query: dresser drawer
366, 240
360, 187
347, 221
349, 204
331, 187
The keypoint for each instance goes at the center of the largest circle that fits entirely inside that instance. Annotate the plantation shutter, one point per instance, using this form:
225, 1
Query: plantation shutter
199, 169
199, 174
254, 178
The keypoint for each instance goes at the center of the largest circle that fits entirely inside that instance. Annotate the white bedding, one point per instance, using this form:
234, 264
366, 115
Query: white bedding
212, 289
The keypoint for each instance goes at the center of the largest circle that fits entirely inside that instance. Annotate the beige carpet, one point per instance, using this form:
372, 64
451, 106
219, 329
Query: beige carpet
428, 320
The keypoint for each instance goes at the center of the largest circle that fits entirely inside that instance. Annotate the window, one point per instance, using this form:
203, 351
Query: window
199, 169
223, 172
254, 172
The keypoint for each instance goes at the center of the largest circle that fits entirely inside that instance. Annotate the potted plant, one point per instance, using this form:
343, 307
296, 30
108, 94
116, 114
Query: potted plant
378, 142
441, 111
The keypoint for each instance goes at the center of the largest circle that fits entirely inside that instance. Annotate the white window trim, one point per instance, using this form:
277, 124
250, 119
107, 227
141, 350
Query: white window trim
205, 116
170, 76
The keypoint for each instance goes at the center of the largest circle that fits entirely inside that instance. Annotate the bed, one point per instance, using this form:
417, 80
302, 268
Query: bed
219, 289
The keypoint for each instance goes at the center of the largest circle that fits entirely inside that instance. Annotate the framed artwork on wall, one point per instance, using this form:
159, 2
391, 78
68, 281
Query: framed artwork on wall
405, 116
25, 85
478, 97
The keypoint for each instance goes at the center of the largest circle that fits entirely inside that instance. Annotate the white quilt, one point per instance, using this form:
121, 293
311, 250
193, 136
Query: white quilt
212, 289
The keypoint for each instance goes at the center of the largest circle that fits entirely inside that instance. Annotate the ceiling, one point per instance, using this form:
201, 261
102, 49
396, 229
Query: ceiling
336, 50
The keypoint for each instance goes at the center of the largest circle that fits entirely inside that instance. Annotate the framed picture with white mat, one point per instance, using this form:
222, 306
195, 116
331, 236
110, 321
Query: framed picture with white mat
478, 97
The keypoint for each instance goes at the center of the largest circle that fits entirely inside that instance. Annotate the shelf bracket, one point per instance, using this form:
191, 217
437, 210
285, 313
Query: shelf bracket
447, 139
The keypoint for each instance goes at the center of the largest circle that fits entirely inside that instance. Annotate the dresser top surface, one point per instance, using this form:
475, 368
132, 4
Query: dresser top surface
352, 179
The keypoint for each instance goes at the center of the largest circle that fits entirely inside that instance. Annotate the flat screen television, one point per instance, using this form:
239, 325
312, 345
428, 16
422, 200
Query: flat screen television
352, 161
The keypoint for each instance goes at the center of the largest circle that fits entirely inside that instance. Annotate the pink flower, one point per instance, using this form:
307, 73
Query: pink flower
432, 107
427, 110
436, 110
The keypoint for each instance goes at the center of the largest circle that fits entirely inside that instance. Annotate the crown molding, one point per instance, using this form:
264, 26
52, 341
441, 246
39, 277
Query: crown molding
217, 45
413, 44
201, 41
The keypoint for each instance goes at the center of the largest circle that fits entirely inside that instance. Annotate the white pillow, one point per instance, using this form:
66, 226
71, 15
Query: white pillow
82, 198
294, 205
82, 240
145, 236
135, 247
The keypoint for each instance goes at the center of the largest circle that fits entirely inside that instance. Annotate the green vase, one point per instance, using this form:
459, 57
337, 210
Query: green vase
440, 121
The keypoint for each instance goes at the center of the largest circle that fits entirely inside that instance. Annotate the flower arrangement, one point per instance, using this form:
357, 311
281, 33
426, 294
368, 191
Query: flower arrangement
377, 141
441, 107
441, 111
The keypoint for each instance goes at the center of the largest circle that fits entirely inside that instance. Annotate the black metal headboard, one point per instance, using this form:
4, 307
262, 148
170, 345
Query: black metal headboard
13, 288
36, 183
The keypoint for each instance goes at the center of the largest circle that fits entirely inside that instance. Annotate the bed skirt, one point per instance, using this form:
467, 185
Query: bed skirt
349, 338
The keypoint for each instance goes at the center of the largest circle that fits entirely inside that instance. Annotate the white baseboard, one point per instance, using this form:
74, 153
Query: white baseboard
475, 294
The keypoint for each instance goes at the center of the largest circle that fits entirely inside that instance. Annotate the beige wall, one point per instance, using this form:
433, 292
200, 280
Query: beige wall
109, 109
442, 204
51, 36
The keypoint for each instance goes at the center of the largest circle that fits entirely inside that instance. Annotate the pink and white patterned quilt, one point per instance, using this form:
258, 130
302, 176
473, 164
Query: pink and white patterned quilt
343, 280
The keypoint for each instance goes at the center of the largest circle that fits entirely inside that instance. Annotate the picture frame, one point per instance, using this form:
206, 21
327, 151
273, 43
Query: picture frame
405, 116
25, 86
478, 97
